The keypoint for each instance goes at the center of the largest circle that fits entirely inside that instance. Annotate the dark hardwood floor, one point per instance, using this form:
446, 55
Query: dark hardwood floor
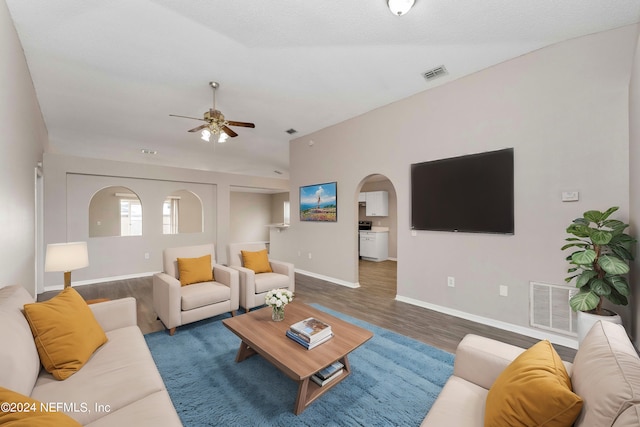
373, 302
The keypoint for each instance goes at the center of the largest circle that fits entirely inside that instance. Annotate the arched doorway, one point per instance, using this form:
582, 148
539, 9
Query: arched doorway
377, 246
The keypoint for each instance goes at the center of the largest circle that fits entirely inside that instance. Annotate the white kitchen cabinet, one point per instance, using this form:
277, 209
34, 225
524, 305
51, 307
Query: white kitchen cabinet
374, 245
377, 203
362, 197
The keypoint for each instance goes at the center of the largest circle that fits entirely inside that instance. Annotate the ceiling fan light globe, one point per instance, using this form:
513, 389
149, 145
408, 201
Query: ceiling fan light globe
223, 137
400, 7
205, 135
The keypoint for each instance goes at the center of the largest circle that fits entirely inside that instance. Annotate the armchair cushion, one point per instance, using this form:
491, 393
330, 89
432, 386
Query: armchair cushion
65, 331
267, 281
202, 294
195, 270
256, 261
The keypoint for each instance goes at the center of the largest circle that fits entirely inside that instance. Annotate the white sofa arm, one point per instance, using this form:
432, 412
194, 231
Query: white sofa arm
285, 268
115, 314
231, 278
480, 360
166, 299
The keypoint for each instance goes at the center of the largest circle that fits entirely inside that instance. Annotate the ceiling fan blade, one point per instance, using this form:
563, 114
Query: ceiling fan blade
229, 132
187, 117
198, 128
243, 124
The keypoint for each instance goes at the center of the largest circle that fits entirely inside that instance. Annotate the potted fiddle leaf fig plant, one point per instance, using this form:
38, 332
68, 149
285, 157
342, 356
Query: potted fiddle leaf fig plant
598, 265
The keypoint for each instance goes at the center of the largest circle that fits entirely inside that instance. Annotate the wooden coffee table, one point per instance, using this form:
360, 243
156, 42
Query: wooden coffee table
261, 335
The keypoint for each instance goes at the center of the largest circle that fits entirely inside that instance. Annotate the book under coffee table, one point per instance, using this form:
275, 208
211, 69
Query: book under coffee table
261, 335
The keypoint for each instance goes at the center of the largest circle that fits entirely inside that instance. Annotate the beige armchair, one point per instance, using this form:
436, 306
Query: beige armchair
178, 305
253, 287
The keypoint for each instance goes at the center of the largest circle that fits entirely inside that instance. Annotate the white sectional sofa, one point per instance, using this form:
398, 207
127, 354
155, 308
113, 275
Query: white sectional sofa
119, 385
605, 374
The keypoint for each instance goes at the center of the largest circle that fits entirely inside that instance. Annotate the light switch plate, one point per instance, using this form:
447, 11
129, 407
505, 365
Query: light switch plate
570, 196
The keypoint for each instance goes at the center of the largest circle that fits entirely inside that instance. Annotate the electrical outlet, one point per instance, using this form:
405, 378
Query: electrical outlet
146, 255
414, 233
451, 282
299, 253
504, 291
309, 255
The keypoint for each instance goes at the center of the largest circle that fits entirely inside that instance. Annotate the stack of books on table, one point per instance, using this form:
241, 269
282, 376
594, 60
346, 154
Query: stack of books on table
310, 332
327, 374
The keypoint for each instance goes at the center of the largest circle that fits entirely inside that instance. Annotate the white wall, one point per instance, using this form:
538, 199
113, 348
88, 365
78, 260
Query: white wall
564, 109
69, 182
634, 190
24, 138
277, 207
250, 215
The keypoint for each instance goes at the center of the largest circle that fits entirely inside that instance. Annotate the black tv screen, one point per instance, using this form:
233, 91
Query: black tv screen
472, 193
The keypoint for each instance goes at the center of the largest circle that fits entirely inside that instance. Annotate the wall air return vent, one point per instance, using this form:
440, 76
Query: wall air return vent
549, 308
434, 73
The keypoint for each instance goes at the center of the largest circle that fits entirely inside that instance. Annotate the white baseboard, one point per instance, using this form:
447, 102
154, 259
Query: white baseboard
100, 280
329, 279
530, 332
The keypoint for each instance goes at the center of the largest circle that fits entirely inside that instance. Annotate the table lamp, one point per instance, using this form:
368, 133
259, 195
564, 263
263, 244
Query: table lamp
66, 257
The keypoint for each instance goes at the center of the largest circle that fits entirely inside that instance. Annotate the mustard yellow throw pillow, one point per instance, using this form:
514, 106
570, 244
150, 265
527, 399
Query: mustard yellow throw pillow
195, 270
65, 332
534, 390
256, 261
22, 411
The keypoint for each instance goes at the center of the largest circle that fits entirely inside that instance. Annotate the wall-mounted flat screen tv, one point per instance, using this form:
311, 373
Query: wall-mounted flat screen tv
472, 193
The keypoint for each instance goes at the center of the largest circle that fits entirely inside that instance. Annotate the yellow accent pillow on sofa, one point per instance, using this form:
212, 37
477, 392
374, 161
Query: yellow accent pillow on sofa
534, 390
65, 332
256, 261
195, 270
22, 411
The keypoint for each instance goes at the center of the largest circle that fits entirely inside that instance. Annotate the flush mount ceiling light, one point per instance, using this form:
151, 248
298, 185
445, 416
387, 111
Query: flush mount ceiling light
400, 7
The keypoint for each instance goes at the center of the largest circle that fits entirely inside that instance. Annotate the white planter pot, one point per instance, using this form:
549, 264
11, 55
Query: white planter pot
587, 320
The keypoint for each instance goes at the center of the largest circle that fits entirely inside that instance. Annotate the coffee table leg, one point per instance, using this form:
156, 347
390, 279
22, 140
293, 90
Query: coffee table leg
244, 352
301, 400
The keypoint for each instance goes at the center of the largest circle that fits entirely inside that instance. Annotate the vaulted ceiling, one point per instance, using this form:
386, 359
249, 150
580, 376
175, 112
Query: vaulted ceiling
108, 73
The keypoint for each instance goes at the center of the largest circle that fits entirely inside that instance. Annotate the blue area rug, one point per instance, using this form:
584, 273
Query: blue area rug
394, 380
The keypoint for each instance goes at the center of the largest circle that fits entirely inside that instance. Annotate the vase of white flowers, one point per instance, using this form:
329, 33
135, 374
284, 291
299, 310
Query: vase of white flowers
277, 299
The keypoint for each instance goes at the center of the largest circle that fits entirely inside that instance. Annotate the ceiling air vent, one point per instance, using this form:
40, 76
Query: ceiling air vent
434, 73
291, 131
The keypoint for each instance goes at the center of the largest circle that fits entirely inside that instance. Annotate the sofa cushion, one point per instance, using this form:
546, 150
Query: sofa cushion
201, 294
119, 374
65, 332
18, 354
606, 374
195, 270
267, 281
27, 412
256, 261
460, 403
149, 411
533, 390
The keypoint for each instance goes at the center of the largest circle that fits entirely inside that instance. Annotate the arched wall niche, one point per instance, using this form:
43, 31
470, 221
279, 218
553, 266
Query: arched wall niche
182, 213
115, 211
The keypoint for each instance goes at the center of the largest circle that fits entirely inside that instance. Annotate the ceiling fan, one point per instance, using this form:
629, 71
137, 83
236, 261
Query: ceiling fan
216, 125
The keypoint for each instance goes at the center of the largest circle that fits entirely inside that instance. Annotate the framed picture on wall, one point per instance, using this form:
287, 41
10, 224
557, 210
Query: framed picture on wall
319, 202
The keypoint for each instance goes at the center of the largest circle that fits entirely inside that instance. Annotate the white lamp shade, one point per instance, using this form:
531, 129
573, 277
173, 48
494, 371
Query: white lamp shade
400, 7
66, 256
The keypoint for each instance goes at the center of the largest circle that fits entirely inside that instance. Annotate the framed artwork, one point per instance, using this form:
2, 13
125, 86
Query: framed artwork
319, 202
